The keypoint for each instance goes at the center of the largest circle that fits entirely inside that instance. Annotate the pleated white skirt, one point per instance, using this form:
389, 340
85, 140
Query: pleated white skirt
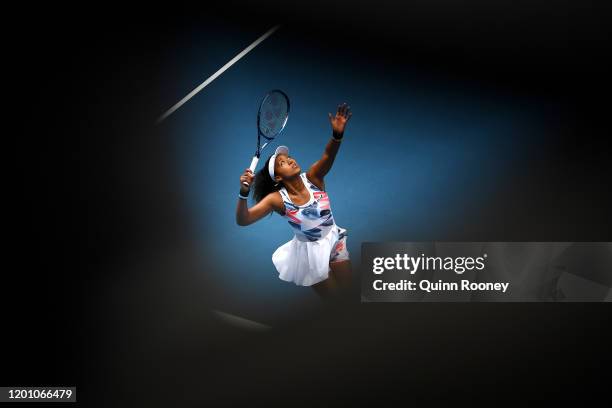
305, 262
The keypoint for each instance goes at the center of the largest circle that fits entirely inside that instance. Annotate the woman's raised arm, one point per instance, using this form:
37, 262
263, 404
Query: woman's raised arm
321, 167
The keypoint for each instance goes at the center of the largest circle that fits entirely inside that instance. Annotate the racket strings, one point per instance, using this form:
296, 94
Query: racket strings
272, 118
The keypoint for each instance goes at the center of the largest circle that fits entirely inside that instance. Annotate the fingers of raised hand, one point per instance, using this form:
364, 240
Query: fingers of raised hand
344, 110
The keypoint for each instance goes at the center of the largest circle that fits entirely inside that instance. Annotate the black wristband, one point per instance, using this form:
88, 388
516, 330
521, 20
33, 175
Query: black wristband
242, 196
337, 135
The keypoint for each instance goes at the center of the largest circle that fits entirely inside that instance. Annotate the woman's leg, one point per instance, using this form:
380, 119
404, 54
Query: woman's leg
326, 289
343, 273
338, 283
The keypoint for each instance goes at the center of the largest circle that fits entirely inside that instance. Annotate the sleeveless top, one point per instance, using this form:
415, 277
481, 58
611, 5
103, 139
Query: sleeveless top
313, 220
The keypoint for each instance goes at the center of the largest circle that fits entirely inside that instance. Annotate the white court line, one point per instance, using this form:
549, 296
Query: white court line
216, 74
240, 321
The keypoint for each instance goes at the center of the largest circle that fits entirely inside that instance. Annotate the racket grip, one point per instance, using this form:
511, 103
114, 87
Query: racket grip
254, 163
252, 167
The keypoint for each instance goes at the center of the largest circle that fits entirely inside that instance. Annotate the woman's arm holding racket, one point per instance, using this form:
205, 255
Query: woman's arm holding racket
318, 170
245, 215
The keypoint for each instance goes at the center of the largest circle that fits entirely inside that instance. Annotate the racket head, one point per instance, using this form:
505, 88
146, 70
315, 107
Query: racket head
273, 114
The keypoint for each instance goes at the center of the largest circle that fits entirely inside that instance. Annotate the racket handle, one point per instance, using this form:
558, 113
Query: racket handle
254, 163
252, 167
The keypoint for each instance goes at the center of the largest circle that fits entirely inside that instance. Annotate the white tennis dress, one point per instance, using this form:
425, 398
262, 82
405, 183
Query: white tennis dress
317, 241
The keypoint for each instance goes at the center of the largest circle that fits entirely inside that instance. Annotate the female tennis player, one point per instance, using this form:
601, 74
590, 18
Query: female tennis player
317, 255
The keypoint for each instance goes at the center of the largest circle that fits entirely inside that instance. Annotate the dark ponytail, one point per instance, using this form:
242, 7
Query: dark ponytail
263, 184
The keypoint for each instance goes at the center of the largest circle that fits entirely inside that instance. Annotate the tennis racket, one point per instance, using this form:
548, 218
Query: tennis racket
271, 120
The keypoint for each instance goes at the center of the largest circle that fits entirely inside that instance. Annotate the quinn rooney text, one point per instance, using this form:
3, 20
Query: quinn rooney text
440, 286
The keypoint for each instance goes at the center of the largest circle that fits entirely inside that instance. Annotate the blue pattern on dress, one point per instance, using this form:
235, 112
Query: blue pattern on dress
308, 215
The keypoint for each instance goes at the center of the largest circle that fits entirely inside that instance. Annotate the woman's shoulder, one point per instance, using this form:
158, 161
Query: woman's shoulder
277, 202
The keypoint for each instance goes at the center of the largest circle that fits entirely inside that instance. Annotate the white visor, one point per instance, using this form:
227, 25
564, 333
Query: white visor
279, 150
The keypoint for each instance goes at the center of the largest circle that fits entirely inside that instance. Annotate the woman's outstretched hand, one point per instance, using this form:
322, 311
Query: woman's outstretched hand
338, 122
